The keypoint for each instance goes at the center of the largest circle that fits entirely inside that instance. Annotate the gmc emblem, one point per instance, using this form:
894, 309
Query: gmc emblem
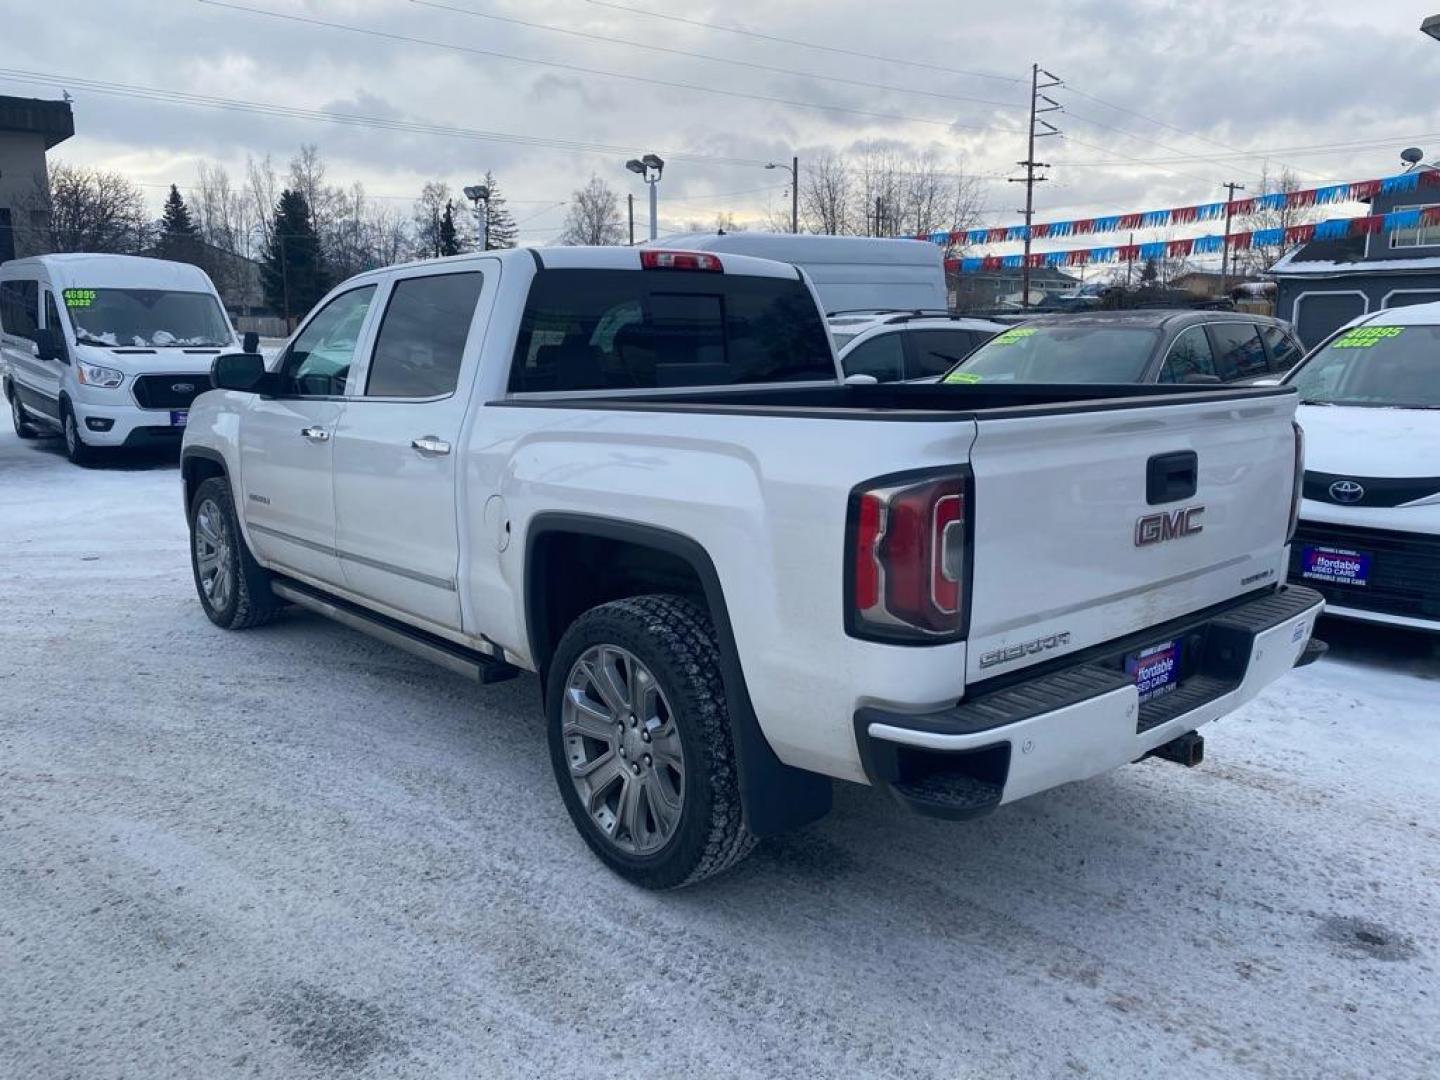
1171, 525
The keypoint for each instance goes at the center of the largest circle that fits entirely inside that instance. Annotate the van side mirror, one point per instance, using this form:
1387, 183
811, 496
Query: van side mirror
239, 371
250, 342
50, 345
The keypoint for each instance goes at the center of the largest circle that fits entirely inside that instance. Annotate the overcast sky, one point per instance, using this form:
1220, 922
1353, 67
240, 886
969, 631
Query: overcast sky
1214, 92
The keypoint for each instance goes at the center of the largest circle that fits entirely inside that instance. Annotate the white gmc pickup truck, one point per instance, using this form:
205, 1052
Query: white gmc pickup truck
578, 462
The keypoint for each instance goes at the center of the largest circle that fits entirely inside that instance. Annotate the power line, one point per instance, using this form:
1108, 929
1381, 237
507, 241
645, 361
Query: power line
705, 56
803, 44
176, 97
387, 35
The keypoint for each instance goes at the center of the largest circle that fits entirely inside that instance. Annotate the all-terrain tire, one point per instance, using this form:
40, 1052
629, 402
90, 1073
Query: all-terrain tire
248, 600
675, 639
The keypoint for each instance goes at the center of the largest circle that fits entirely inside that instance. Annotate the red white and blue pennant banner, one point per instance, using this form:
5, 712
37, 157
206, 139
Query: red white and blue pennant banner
1186, 215
1333, 229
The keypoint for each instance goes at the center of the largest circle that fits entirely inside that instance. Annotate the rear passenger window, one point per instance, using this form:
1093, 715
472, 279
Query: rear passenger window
1285, 351
937, 351
1239, 352
633, 329
422, 338
882, 356
1189, 356
20, 308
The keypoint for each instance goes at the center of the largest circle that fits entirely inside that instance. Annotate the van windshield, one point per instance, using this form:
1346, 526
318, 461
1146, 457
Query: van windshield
149, 318
1378, 366
1060, 354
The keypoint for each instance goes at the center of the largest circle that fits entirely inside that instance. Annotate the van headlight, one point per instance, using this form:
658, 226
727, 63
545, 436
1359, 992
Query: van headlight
95, 375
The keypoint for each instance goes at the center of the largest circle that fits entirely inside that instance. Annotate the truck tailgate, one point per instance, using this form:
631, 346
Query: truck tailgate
1085, 529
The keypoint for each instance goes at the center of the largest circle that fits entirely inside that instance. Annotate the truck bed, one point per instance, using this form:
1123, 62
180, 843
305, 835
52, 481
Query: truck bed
902, 401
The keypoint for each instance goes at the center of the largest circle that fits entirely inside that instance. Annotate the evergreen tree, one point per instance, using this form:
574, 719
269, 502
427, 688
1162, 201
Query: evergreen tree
449, 241
290, 266
178, 239
501, 230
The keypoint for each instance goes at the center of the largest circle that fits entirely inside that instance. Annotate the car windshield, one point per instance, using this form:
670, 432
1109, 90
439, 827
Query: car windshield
1378, 366
1060, 354
149, 318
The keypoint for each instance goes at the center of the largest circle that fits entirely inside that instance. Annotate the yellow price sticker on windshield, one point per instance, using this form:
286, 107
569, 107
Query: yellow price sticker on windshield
961, 377
79, 297
1009, 337
1363, 337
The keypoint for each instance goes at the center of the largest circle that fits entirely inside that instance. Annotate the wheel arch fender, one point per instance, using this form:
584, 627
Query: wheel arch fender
776, 797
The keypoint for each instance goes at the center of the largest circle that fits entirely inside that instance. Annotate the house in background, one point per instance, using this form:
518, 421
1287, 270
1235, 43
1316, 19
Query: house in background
992, 290
1324, 284
28, 128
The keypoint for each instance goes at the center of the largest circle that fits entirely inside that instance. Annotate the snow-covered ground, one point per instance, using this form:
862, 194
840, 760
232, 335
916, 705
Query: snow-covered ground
296, 852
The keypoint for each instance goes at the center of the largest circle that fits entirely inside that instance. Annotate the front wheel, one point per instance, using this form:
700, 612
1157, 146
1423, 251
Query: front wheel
76, 448
640, 741
234, 589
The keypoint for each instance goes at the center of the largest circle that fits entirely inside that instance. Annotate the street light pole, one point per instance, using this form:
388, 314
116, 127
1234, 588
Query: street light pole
794, 170
1431, 26
480, 194
649, 168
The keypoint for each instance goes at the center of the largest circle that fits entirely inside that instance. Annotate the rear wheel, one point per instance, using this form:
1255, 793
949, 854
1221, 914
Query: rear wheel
24, 427
234, 589
640, 741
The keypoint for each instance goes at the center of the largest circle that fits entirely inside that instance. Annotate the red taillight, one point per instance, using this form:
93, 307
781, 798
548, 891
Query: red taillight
1298, 491
680, 260
909, 552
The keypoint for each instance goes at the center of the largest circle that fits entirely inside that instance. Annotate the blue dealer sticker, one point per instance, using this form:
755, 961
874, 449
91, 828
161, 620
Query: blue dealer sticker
1156, 670
1337, 566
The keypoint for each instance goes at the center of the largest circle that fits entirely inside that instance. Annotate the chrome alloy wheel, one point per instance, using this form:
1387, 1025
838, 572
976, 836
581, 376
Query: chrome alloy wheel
214, 559
624, 751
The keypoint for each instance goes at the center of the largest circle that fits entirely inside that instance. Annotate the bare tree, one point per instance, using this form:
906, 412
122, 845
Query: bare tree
1260, 257
594, 215
388, 239
427, 214
825, 195
262, 191
93, 210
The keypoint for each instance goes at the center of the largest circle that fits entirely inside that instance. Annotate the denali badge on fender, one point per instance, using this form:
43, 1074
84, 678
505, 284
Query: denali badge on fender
1171, 525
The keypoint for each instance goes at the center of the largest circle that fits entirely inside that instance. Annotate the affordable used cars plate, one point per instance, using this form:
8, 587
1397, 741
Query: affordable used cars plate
1156, 670
179, 417
1338, 566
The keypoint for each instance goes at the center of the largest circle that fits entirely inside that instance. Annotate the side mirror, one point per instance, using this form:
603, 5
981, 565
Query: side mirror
50, 345
1198, 378
250, 342
238, 371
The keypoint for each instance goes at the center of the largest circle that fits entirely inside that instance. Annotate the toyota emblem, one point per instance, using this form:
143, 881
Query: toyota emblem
1346, 491
183, 387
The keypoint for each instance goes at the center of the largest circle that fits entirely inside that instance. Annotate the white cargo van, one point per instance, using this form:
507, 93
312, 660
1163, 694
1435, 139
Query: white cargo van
851, 273
108, 350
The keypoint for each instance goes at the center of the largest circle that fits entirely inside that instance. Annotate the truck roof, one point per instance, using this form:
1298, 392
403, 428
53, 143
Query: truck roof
593, 258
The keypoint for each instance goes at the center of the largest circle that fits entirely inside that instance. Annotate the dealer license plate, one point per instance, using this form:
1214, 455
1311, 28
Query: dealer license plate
179, 417
1338, 566
1156, 670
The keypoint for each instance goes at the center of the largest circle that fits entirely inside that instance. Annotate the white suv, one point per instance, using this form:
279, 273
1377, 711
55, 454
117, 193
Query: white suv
900, 346
108, 350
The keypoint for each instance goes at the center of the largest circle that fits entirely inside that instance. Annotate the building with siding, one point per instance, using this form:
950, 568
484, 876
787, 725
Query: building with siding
1322, 285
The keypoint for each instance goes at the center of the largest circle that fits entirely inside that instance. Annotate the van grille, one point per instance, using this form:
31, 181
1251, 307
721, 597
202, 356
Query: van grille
1403, 575
169, 391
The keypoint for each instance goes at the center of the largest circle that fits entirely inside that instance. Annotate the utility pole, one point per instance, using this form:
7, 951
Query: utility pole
630, 198
1030, 164
1230, 188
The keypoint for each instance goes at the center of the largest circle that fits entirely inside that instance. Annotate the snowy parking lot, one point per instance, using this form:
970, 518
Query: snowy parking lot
297, 852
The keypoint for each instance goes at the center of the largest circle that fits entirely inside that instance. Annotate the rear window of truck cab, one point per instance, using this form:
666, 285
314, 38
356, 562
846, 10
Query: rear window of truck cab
638, 329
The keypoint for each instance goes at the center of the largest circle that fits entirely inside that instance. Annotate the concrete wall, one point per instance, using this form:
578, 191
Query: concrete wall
23, 181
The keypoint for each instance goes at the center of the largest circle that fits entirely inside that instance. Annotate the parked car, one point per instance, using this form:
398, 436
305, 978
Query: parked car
1136, 347
108, 350
1369, 534
911, 346
735, 594
850, 273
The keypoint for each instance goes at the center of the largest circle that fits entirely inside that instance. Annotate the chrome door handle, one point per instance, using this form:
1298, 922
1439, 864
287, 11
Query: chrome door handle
430, 446
315, 434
